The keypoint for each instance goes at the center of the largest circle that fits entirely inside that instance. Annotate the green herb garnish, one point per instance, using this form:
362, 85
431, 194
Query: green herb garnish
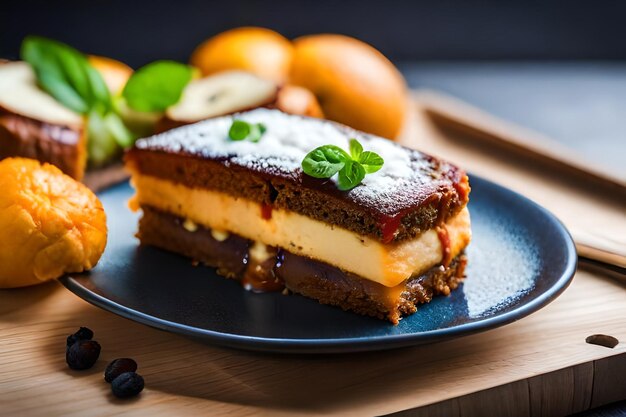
157, 86
328, 160
65, 74
241, 130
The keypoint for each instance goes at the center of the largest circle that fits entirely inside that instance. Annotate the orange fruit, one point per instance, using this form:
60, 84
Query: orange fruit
354, 83
114, 72
50, 224
258, 50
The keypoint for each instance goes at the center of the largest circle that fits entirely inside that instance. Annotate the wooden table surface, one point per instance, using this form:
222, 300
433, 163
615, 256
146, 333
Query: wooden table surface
540, 365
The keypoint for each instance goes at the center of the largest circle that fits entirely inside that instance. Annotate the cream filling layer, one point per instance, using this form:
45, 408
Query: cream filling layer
387, 264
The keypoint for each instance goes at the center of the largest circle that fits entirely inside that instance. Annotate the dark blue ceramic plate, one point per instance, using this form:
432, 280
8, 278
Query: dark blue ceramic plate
521, 258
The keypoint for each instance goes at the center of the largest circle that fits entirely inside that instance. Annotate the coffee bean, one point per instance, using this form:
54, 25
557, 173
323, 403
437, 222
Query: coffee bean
83, 354
118, 367
84, 333
127, 385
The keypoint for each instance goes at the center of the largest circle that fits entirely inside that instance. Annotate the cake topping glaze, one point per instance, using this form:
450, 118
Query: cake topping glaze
408, 178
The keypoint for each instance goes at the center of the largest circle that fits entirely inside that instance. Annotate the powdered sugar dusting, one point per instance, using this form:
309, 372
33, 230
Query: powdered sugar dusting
406, 178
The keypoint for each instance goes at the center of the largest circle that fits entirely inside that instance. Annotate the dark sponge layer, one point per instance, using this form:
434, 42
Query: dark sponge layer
61, 146
314, 279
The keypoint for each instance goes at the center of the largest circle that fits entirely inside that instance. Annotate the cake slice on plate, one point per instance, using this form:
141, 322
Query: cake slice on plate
247, 208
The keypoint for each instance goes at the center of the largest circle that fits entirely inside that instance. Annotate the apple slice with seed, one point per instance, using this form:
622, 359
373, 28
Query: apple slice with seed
218, 95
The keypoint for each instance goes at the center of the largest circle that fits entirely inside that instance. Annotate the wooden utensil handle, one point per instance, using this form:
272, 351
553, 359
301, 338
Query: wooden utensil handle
601, 248
478, 123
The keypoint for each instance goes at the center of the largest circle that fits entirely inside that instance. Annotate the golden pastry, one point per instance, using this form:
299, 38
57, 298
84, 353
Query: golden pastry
50, 224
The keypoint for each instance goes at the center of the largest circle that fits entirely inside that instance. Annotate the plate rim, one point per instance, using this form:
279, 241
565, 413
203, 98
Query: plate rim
352, 344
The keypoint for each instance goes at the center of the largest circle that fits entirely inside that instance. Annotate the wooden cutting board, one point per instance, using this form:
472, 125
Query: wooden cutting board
540, 365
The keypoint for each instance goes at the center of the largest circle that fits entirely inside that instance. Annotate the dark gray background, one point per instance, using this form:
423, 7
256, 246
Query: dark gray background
558, 67
139, 31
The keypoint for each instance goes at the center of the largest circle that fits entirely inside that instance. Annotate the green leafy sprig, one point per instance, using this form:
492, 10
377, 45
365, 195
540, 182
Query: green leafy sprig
328, 160
157, 86
65, 74
241, 130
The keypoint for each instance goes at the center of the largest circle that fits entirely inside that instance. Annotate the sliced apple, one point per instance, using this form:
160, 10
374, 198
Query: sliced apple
219, 95
298, 100
19, 94
34, 125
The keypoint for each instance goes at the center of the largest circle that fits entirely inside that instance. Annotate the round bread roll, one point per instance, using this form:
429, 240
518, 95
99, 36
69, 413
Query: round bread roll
50, 224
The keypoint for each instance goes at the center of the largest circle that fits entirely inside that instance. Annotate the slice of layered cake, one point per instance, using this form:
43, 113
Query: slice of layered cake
243, 204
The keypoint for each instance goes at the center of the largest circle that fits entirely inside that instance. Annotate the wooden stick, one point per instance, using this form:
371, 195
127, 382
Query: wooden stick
480, 124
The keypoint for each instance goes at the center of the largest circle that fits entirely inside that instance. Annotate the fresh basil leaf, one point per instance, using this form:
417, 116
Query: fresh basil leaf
65, 73
256, 131
239, 130
62, 92
371, 161
350, 175
73, 68
99, 89
30, 50
43, 56
157, 86
336, 152
355, 149
325, 161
